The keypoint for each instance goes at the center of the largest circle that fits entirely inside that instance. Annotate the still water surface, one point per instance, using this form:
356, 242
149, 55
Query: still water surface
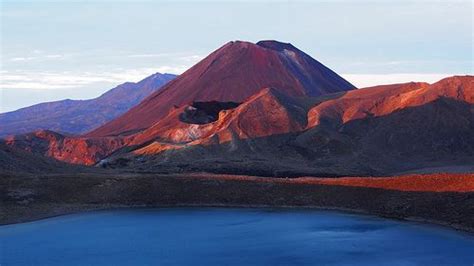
213, 236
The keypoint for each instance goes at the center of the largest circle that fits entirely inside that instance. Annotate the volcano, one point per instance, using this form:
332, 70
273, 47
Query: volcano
232, 73
268, 109
372, 131
250, 111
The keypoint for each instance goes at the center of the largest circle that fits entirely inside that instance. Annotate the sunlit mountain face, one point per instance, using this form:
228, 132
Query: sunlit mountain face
234, 72
273, 104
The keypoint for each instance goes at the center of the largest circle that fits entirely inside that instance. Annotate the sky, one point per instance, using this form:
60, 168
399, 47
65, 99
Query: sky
53, 50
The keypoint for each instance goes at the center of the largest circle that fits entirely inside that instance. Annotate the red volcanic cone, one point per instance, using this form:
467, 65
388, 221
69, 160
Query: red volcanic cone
233, 72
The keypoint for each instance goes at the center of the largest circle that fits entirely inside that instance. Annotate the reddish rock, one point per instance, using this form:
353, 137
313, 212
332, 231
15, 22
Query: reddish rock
266, 113
431, 182
232, 73
407, 120
86, 151
384, 100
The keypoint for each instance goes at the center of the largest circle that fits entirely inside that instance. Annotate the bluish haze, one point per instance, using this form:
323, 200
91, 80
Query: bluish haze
79, 49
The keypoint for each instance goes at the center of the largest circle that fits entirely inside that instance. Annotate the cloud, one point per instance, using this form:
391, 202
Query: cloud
173, 69
38, 58
42, 80
52, 56
367, 80
16, 59
150, 55
178, 56
191, 58
50, 80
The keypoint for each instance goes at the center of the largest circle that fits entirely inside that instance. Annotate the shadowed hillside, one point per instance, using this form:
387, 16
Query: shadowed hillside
79, 116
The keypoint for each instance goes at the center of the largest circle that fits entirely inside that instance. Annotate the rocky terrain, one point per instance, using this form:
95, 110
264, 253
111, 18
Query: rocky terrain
382, 130
32, 197
216, 134
13, 160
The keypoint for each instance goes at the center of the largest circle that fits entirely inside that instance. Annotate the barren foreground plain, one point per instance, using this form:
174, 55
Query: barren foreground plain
444, 199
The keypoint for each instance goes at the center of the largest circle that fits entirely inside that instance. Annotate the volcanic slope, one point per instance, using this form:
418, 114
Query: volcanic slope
378, 130
232, 73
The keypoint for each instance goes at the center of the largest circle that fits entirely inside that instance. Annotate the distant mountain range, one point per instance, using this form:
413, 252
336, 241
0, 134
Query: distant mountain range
79, 116
268, 109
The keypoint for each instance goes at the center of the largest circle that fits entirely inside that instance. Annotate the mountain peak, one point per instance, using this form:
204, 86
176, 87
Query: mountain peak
276, 45
266, 44
233, 73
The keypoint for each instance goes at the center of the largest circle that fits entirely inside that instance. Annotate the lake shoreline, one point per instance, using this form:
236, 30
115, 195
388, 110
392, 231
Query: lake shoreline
417, 220
32, 198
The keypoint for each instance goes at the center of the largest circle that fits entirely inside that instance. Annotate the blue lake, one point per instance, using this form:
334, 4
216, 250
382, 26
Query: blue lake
214, 236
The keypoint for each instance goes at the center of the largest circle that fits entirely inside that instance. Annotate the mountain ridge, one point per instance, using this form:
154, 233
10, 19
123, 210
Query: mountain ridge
371, 131
325, 136
79, 116
258, 109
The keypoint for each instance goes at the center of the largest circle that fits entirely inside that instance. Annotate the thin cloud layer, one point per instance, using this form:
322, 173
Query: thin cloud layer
49, 80
367, 80
44, 80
